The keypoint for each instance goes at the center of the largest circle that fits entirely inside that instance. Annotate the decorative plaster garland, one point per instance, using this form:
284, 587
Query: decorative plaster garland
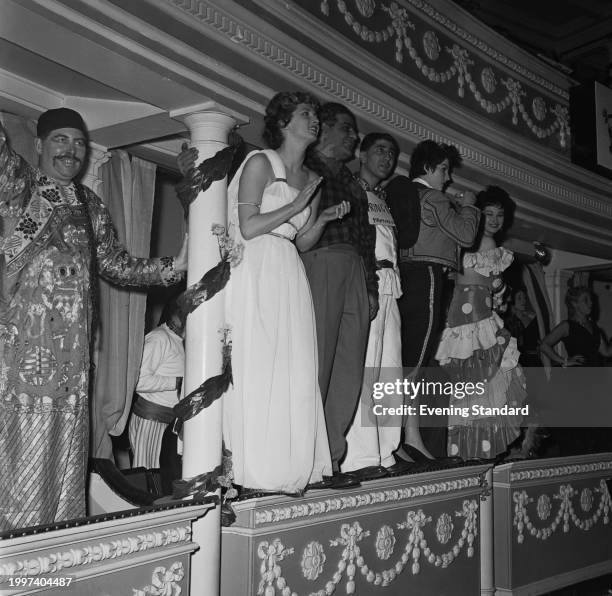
395, 10
398, 28
267, 49
565, 513
351, 560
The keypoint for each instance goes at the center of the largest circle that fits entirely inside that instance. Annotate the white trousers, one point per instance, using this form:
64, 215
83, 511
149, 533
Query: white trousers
372, 444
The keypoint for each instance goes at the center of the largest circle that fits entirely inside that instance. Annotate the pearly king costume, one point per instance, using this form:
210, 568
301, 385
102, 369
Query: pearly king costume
273, 421
372, 439
475, 348
52, 239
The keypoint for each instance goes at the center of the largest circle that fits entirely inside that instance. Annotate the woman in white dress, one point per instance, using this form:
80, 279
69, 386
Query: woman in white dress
273, 414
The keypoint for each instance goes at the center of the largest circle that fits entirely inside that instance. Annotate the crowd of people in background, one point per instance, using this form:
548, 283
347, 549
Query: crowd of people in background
344, 283
356, 268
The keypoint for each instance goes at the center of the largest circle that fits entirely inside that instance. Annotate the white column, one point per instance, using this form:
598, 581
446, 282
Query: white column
203, 357
98, 156
487, 571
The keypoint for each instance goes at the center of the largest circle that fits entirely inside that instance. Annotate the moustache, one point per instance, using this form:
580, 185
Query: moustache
68, 156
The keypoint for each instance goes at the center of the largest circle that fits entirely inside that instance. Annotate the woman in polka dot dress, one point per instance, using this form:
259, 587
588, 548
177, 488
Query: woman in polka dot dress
475, 348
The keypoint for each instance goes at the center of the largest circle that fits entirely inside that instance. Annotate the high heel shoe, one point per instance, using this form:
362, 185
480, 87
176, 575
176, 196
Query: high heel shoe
415, 454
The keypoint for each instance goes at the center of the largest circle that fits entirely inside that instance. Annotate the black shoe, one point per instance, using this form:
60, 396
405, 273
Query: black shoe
415, 454
369, 473
253, 493
344, 480
400, 467
326, 482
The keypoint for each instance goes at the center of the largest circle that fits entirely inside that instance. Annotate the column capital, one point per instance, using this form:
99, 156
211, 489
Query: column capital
98, 156
209, 124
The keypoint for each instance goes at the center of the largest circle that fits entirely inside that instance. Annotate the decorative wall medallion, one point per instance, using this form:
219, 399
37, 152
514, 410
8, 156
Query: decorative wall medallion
164, 582
431, 45
366, 7
385, 542
488, 80
444, 528
538, 107
586, 499
543, 507
313, 559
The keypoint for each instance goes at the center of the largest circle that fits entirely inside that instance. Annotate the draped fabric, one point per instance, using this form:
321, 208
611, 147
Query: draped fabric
128, 190
533, 279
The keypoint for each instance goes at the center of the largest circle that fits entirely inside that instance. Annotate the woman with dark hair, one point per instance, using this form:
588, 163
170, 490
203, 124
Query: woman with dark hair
583, 340
585, 346
475, 348
273, 414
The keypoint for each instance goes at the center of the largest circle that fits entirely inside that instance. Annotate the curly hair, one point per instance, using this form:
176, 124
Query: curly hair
572, 296
427, 155
279, 112
328, 113
495, 196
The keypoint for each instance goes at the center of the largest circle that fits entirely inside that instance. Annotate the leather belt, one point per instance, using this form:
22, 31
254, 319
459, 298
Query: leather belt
384, 264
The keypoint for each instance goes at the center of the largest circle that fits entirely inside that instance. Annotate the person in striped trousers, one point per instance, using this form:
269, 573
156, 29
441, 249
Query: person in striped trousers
158, 388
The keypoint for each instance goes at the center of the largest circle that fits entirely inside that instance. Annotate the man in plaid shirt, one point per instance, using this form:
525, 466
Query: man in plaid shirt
341, 268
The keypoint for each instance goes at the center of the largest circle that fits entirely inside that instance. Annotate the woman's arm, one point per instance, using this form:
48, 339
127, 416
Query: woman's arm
258, 174
309, 235
605, 346
552, 339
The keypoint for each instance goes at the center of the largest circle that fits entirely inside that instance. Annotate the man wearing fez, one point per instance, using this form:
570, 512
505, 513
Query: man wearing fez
56, 236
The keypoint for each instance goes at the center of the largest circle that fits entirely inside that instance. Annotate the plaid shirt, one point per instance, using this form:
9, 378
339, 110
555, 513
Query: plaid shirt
354, 229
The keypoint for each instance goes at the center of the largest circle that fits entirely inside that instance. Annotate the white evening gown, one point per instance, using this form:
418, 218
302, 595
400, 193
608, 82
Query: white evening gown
273, 419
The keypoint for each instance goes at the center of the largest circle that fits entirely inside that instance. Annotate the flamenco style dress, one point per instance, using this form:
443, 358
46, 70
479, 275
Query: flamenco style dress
273, 419
475, 348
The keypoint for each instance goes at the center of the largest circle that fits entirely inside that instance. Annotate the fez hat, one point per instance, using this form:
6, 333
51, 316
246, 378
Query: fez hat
59, 118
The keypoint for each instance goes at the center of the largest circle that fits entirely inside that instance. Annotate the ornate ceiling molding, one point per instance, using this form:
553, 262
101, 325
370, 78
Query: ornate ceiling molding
360, 97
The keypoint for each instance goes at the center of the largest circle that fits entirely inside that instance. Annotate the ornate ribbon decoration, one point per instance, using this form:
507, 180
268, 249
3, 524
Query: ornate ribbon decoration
212, 282
209, 391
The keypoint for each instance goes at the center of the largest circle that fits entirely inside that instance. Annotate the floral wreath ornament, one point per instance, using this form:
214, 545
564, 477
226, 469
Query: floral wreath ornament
214, 168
